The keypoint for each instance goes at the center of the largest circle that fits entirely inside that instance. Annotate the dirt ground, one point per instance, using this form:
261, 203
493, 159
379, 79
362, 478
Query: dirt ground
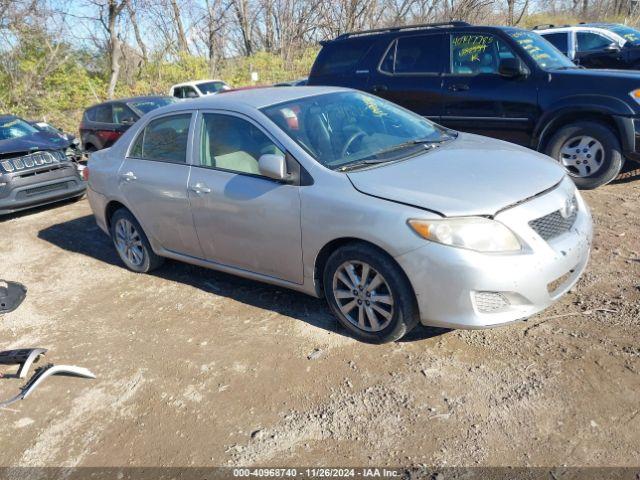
198, 368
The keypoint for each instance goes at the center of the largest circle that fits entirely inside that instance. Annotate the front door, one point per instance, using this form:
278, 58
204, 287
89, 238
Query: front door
244, 220
410, 74
478, 99
154, 178
594, 50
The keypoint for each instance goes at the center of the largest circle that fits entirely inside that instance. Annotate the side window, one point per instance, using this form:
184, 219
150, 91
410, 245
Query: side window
589, 42
164, 140
189, 92
91, 114
123, 114
558, 40
177, 92
103, 114
231, 143
420, 54
341, 57
474, 54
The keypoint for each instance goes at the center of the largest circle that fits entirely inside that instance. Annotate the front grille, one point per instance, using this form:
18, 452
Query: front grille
46, 188
33, 159
488, 302
556, 223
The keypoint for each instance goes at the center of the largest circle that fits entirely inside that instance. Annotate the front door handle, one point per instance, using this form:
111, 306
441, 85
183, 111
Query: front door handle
200, 189
379, 88
128, 177
458, 87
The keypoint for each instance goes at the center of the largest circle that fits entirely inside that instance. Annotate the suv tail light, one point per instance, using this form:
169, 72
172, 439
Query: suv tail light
84, 172
108, 135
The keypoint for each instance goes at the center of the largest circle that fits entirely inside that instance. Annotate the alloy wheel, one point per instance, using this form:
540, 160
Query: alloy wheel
128, 242
363, 296
582, 156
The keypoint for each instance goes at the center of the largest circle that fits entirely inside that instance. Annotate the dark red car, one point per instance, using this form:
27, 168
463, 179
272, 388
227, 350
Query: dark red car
104, 123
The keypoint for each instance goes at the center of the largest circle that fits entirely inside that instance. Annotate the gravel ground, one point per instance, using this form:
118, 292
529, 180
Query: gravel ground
201, 368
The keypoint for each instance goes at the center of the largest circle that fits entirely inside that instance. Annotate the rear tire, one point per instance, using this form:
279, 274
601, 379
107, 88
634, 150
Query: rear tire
589, 151
369, 294
132, 244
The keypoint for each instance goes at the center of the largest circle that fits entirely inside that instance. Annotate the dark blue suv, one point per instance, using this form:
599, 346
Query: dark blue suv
501, 82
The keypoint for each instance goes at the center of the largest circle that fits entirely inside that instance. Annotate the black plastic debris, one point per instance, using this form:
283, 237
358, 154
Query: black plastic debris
11, 295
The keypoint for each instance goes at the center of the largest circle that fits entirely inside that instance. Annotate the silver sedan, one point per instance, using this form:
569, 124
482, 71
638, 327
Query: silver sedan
336, 193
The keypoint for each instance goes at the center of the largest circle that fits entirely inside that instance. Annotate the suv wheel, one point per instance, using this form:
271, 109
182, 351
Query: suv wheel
132, 244
589, 151
369, 294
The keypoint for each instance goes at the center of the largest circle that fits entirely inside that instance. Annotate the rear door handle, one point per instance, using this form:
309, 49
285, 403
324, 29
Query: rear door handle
379, 88
200, 189
128, 177
458, 87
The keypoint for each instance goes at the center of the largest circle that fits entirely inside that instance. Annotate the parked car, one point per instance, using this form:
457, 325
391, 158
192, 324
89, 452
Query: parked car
103, 124
596, 45
198, 88
34, 167
502, 82
301, 82
341, 194
74, 150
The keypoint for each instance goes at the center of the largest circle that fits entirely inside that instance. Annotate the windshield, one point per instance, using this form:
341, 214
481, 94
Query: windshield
15, 128
212, 87
145, 106
345, 127
541, 51
631, 35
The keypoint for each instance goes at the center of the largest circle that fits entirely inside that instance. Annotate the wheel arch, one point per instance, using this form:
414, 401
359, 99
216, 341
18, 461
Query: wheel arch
566, 117
325, 252
111, 208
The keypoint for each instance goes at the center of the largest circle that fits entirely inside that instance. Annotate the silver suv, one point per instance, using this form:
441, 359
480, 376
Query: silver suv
337, 193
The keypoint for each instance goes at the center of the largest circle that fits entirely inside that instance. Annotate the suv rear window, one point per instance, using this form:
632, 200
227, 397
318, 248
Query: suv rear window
340, 57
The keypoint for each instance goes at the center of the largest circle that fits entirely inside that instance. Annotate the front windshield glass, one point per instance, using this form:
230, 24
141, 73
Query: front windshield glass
145, 106
344, 128
631, 35
541, 51
15, 128
212, 87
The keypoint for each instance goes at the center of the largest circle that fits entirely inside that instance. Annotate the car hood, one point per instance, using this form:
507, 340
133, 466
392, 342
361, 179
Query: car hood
471, 175
32, 143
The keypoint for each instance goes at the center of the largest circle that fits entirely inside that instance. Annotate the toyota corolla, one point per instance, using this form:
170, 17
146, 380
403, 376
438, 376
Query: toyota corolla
340, 194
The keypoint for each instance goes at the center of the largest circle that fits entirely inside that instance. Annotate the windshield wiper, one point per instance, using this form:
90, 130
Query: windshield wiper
373, 160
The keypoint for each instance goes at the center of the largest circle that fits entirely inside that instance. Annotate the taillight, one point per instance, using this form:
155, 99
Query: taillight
108, 135
85, 173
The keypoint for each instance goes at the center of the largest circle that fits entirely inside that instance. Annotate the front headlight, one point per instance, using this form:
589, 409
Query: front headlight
473, 233
635, 94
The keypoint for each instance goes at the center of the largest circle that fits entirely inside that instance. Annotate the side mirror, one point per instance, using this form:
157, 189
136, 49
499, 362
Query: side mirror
511, 68
273, 166
612, 47
128, 121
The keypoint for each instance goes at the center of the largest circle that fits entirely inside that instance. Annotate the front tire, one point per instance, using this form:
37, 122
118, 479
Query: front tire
589, 151
132, 244
369, 294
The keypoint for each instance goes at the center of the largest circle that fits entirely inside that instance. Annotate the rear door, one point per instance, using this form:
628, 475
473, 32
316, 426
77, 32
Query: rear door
478, 99
154, 178
410, 73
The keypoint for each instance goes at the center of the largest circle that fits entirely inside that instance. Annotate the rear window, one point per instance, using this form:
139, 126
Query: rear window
341, 57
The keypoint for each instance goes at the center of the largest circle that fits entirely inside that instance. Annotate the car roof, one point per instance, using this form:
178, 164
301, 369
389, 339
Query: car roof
196, 82
255, 98
130, 99
567, 28
7, 116
394, 32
